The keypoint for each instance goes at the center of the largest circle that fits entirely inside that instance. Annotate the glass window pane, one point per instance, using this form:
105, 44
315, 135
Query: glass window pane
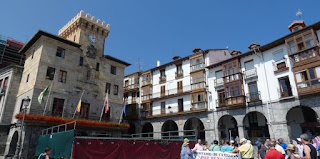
318, 71
311, 73
298, 77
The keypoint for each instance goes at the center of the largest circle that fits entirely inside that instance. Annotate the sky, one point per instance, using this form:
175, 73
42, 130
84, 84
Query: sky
152, 30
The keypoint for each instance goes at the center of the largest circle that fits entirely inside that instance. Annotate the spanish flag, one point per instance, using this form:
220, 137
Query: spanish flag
79, 106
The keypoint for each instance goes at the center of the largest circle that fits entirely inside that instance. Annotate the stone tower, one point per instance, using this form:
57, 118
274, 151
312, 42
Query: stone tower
88, 32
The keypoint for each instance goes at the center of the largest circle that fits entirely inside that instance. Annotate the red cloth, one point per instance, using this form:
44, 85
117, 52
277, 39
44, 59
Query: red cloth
125, 149
274, 154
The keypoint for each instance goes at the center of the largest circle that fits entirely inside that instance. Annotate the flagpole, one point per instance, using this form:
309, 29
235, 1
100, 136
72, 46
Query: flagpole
104, 105
45, 107
75, 111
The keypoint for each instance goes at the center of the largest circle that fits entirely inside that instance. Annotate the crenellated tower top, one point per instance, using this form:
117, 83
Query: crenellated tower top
84, 20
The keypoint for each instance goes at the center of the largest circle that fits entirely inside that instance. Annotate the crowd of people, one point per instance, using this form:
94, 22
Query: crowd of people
269, 149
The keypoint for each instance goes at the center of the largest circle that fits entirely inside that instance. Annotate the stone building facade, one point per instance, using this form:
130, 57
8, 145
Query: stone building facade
72, 65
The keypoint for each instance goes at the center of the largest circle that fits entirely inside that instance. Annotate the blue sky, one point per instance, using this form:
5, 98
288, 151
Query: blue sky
159, 29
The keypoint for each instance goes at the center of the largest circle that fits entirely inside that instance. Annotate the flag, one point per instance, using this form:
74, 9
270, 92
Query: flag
79, 106
106, 106
42, 94
124, 108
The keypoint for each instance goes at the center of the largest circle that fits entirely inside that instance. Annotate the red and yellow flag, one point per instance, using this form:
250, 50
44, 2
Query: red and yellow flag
79, 106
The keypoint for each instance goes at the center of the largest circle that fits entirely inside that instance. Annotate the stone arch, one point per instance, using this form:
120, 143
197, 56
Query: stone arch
168, 129
255, 126
197, 125
147, 128
13, 143
302, 119
228, 127
132, 128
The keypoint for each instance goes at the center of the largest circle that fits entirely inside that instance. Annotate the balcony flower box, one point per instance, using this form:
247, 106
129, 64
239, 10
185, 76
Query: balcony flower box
56, 119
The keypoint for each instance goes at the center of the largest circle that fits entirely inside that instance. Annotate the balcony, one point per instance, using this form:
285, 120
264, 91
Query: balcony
146, 82
146, 98
179, 74
220, 102
254, 99
131, 112
172, 92
199, 106
250, 73
280, 66
218, 83
162, 79
308, 87
233, 77
171, 111
235, 98
131, 87
286, 94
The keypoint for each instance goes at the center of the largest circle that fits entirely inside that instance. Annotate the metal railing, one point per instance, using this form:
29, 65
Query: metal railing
162, 78
58, 128
132, 86
233, 77
220, 102
167, 135
145, 82
279, 64
250, 73
253, 96
179, 73
172, 91
218, 82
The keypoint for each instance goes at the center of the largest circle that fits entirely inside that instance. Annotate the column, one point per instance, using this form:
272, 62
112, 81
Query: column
241, 131
280, 130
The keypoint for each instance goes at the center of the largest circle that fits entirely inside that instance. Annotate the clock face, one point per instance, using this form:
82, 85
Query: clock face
92, 38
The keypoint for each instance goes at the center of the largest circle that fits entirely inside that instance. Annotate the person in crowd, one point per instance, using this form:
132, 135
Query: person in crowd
215, 146
317, 146
198, 146
262, 149
282, 144
46, 154
226, 146
186, 152
273, 153
278, 147
232, 144
309, 151
184, 141
266, 143
299, 147
291, 151
237, 139
246, 149
205, 146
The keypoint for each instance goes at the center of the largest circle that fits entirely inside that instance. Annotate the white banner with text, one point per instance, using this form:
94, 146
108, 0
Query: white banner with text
216, 155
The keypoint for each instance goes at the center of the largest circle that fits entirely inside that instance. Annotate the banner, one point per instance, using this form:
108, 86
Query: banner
216, 155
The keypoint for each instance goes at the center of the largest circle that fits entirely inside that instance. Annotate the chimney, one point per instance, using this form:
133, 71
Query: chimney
254, 47
296, 25
176, 58
235, 53
197, 50
158, 63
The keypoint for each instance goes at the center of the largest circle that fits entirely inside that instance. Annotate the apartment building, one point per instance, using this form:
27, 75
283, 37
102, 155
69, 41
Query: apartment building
269, 91
176, 91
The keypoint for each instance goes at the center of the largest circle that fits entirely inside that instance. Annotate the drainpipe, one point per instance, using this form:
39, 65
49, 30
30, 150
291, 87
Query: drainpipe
267, 85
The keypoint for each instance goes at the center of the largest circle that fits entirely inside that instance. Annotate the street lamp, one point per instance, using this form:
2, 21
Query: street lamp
25, 102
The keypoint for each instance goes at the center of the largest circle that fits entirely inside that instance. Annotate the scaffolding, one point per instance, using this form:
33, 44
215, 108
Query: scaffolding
9, 52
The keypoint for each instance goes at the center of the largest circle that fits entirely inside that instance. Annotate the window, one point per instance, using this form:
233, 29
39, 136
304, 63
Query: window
163, 108
231, 70
179, 86
60, 52
221, 98
115, 89
97, 66
308, 77
1, 83
163, 91
248, 65
81, 61
88, 76
180, 105
126, 83
198, 100
197, 80
74, 38
301, 42
179, 71
50, 73
253, 91
84, 111
5, 84
278, 55
196, 63
63, 76
162, 74
285, 87
34, 50
108, 87
57, 108
113, 70
27, 78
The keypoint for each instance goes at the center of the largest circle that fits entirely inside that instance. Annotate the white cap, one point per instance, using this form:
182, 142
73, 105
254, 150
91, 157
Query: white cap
299, 139
243, 140
231, 141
